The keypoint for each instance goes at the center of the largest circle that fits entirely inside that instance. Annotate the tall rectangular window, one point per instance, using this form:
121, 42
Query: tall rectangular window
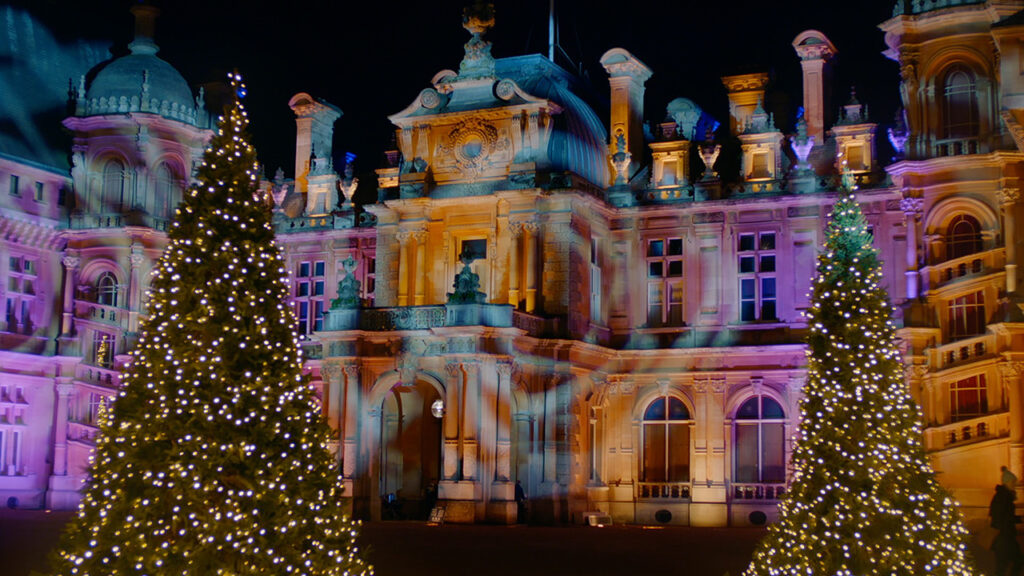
968, 398
967, 315
15, 186
39, 189
664, 282
756, 268
595, 281
22, 280
310, 280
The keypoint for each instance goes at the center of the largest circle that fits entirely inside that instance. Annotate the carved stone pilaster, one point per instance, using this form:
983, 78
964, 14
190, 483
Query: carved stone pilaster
403, 236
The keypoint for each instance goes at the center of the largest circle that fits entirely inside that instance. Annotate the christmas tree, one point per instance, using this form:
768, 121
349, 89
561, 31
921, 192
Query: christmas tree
214, 459
863, 497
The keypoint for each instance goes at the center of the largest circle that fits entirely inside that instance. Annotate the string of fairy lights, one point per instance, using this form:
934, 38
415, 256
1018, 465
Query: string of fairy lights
214, 458
863, 498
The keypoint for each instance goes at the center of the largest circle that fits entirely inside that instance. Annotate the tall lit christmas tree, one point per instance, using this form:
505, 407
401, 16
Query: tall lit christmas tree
863, 498
214, 459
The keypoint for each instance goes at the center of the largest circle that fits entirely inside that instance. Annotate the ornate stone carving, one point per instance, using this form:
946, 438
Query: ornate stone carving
1010, 370
351, 371
912, 205
471, 143
1008, 195
467, 284
71, 262
430, 98
505, 89
330, 371
621, 159
403, 236
504, 368
453, 369
530, 226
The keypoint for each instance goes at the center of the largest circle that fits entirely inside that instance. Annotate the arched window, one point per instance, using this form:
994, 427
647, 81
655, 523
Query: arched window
963, 237
960, 97
113, 186
760, 442
106, 290
165, 193
666, 443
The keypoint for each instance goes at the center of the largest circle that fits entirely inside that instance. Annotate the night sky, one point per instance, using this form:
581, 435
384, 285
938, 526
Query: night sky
371, 59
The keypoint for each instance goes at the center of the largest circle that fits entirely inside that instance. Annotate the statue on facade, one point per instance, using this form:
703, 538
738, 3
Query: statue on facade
709, 152
467, 284
348, 288
478, 62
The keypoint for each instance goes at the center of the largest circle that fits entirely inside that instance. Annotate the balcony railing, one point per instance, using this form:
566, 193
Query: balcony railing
977, 429
955, 147
965, 350
403, 318
664, 490
770, 492
111, 315
96, 375
82, 432
970, 266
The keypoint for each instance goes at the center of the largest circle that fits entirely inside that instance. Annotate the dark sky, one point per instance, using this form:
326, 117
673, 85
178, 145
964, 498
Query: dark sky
371, 59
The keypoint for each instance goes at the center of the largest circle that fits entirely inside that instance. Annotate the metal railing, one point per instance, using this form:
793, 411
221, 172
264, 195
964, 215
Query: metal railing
663, 490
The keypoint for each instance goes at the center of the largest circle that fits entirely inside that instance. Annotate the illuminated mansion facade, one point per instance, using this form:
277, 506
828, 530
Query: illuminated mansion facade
589, 304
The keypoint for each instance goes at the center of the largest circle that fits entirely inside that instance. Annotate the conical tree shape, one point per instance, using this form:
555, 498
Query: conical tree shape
863, 497
214, 458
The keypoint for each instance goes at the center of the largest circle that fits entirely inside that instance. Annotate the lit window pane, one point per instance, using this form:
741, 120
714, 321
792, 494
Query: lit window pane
678, 453
768, 241
654, 453
656, 248
746, 453
773, 456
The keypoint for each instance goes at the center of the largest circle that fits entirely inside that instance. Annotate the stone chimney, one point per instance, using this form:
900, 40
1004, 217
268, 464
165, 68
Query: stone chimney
314, 133
815, 51
627, 76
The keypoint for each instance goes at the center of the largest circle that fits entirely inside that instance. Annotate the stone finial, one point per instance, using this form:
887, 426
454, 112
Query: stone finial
145, 26
477, 19
621, 159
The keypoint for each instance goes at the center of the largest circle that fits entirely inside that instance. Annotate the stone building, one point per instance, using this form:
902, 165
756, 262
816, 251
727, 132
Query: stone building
543, 294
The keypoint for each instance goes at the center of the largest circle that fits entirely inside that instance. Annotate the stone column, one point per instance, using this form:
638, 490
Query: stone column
515, 230
403, 238
503, 466
421, 266
550, 444
470, 420
450, 455
133, 300
1011, 373
912, 209
60, 431
350, 423
530, 257
1008, 201
71, 263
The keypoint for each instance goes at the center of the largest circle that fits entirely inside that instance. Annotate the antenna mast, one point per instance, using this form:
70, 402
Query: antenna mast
551, 31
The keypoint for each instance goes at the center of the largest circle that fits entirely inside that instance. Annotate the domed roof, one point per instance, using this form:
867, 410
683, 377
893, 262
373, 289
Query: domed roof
125, 76
142, 82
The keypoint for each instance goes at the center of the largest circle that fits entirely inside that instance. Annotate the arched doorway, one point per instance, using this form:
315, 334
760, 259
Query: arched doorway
410, 456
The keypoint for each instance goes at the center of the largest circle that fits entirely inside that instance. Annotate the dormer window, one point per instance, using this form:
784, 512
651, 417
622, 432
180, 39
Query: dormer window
960, 105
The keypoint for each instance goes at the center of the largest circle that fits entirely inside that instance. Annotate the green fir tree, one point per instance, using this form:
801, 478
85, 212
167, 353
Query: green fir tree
214, 458
863, 498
